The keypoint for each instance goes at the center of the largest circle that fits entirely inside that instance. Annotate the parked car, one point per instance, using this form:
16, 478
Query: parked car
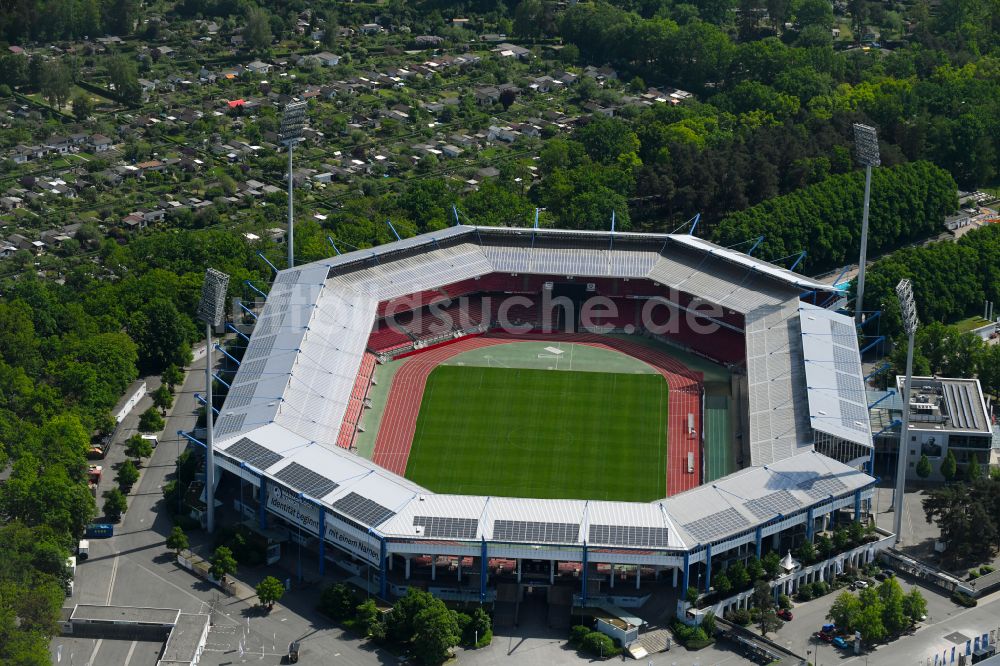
823, 636
839, 642
785, 614
859, 585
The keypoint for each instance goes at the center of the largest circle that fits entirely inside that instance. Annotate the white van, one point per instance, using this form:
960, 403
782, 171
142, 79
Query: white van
83, 550
151, 439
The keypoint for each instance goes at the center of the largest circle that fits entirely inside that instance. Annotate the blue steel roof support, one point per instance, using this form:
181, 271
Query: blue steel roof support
247, 310
227, 354
237, 331
250, 284
882, 368
872, 344
393, 229
200, 398
760, 239
191, 438
220, 380
268, 262
333, 245
887, 395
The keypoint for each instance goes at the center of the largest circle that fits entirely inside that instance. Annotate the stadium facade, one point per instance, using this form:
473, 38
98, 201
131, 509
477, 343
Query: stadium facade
287, 423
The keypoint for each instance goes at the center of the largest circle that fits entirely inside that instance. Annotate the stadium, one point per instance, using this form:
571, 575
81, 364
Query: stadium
493, 412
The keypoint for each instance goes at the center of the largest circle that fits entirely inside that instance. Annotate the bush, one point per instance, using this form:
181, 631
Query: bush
785, 602
963, 599
820, 588
338, 602
973, 574
577, 634
600, 644
805, 593
740, 616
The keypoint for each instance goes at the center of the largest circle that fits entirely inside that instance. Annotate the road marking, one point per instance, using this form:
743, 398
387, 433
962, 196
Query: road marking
97, 646
114, 574
131, 649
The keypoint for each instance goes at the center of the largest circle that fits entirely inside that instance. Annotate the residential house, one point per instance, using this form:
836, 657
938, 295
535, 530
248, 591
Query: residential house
59, 144
9, 203
327, 59
371, 29
134, 222
6, 250
450, 150
165, 51
506, 134
507, 50
487, 96
259, 67
100, 143
600, 73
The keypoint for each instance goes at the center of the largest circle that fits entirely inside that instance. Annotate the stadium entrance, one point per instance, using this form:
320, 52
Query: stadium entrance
561, 312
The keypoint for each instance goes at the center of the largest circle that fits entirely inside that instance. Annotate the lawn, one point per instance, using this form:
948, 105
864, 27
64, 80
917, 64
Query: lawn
542, 433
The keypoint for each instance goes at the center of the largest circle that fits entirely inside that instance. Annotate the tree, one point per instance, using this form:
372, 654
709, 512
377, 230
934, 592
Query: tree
337, 601
83, 105
115, 504
738, 575
973, 472
924, 467
528, 19
124, 77
869, 619
137, 447
893, 608
223, 563
844, 611
55, 83
806, 552
914, 606
177, 540
172, 376
722, 584
269, 591
755, 569
480, 628
763, 600
771, 564
127, 475
949, 466
151, 421
163, 398
435, 632
367, 616
692, 594
257, 32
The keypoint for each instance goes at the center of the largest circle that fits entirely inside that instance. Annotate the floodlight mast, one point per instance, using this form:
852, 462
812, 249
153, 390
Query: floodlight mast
211, 311
866, 143
292, 122
908, 309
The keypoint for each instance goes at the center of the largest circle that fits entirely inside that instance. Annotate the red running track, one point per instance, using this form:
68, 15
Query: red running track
399, 420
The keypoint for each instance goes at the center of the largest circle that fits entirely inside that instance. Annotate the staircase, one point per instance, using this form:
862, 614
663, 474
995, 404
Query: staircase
657, 640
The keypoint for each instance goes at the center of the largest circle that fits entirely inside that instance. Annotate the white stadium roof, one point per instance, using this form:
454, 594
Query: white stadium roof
286, 404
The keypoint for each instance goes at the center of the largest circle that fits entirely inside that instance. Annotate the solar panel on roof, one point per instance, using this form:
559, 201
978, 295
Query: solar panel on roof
819, 487
271, 324
252, 371
628, 535
845, 359
843, 334
716, 524
438, 527
260, 346
780, 502
363, 509
852, 415
849, 385
535, 532
229, 424
306, 481
241, 396
253, 453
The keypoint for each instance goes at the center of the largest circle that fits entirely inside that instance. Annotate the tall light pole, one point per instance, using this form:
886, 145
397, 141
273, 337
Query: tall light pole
292, 122
908, 309
866, 144
211, 310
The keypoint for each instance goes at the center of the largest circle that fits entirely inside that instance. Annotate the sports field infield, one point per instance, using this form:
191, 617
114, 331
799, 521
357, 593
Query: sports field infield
541, 433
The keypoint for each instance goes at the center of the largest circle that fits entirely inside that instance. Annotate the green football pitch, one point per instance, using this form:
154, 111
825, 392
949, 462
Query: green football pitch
542, 433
